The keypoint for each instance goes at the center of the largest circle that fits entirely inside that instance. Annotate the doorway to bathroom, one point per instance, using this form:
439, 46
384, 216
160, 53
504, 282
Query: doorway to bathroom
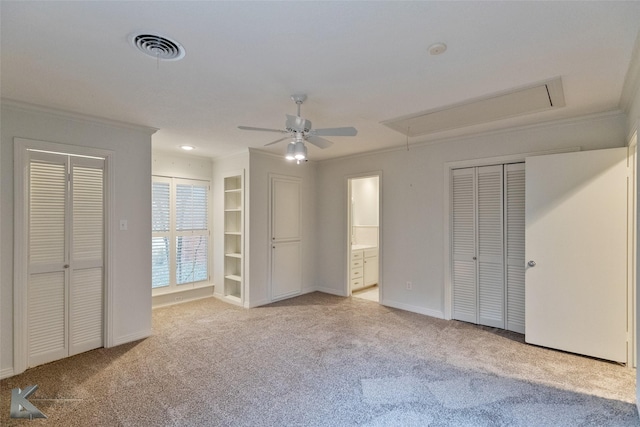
364, 238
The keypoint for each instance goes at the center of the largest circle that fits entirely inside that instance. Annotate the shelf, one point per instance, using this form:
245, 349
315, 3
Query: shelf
233, 241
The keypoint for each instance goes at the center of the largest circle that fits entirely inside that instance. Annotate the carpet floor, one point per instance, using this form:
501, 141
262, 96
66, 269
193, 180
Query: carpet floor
322, 360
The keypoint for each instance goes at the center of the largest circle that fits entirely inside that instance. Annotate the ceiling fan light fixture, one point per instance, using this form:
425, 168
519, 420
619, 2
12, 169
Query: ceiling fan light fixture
300, 151
291, 151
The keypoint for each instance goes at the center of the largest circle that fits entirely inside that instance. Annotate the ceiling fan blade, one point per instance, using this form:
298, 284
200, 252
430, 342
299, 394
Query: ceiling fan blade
262, 129
319, 142
345, 131
276, 141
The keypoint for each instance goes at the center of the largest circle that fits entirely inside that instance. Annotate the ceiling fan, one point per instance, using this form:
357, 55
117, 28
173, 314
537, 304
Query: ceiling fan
300, 130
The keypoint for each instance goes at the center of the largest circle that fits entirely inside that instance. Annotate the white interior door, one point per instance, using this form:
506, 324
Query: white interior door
478, 247
48, 273
576, 234
65, 256
87, 248
286, 237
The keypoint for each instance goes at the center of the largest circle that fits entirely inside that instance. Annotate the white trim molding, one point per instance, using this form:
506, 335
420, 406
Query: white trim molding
413, 308
6, 373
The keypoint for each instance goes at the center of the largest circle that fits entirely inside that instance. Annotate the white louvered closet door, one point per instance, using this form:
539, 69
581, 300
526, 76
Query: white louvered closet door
65, 252
47, 254
490, 247
515, 245
87, 243
464, 245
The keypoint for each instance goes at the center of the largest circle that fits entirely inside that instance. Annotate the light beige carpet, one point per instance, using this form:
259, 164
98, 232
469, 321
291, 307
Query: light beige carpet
321, 360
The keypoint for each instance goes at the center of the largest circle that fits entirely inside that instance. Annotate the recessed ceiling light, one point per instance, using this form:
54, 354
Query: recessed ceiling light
187, 147
437, 48
157, 46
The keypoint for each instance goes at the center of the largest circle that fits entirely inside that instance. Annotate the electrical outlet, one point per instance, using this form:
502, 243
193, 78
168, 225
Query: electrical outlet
409, 286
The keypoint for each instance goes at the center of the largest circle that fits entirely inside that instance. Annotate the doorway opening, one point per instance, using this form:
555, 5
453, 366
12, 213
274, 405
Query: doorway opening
364, 238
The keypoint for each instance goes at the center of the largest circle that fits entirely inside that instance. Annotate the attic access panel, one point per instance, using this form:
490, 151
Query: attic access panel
532, 99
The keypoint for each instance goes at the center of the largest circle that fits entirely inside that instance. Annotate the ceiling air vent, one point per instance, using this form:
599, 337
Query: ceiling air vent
158, 47
516, 102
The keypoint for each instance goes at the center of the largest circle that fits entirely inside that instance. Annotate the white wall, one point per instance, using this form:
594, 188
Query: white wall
261, 165
131, 167
364, 195
412, 197
181, 166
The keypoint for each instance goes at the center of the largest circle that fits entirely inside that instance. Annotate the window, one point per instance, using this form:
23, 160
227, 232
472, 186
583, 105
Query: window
180, 233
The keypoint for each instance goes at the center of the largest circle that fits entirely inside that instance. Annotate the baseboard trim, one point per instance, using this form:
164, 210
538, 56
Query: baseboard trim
164, 300
6, 373
413, 308
132, 337
253, 304
330, 291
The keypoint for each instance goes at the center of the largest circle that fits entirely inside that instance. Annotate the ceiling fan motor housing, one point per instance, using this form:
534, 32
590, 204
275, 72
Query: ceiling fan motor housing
298, 124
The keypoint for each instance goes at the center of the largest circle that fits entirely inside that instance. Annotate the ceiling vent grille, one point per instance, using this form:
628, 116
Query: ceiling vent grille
158, 47
531, 99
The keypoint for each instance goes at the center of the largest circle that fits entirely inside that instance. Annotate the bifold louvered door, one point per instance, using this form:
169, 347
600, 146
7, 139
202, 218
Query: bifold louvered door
65, 252
480, 202
514, 218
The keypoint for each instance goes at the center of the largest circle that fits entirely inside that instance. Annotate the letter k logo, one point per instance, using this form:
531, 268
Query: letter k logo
21, 407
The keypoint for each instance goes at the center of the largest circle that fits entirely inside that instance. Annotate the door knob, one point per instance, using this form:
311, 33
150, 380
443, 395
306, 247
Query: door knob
66, 266
531, 263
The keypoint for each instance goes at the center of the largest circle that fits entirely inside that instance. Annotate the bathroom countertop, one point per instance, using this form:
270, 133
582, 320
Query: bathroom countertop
361, 247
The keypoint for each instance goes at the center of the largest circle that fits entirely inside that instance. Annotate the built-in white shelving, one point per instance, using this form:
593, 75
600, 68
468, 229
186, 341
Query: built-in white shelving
233, 237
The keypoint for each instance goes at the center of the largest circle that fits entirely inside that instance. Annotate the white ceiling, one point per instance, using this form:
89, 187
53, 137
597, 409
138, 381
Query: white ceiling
360, 63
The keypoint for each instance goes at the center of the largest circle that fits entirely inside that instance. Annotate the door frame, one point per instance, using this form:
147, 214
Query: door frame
448, 209
20, 265
347, 257
632, 224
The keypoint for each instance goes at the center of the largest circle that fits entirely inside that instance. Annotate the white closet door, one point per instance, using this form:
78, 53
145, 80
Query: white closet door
464, 245
576, 233
514, 241
490, 247
286, 239
65, 252
87, 243
47, 280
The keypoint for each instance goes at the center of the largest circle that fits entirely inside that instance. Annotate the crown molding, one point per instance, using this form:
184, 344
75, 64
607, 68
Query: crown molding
20, 106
